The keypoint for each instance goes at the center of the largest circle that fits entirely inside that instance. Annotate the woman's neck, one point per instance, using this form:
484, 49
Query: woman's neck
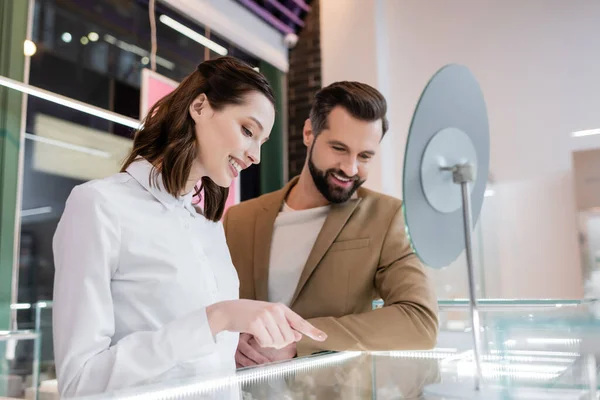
196, 174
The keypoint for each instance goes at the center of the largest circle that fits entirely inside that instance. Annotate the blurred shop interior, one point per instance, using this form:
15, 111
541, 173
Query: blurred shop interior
538, 235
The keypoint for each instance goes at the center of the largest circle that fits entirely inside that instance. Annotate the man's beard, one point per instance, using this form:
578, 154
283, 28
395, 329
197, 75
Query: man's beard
332, 193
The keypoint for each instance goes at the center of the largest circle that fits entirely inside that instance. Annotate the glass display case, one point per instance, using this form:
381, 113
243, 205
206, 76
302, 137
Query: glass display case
29, 353
19, 376
393, 375
529, 344
530, 352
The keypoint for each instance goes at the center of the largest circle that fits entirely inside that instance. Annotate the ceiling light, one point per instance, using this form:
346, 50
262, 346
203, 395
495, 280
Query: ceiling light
29, 48
68, 102
588, 132
137, 50
192, 34
36, 211
66, 37
93, 36
84, 40
20, 306
69, 146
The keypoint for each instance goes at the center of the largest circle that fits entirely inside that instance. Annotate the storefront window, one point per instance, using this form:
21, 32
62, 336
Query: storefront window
92, 51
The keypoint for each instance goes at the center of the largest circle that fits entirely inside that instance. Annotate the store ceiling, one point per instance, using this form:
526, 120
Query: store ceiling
287, 16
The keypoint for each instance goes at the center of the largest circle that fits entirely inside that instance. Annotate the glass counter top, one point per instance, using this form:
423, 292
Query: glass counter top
384, 375
527, 344
546, 354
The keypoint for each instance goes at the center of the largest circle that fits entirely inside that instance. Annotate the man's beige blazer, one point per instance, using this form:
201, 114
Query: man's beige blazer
362, 253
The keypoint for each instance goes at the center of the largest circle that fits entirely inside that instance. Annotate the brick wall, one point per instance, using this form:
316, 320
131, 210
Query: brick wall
304, 80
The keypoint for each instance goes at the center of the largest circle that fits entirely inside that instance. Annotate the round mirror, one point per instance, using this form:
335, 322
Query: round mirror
449, 127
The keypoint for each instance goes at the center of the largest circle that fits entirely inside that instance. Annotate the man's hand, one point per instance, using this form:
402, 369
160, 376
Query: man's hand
250, 353
246, 355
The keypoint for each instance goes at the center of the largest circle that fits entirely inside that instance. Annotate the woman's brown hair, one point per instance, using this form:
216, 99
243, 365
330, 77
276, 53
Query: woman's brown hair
167, 139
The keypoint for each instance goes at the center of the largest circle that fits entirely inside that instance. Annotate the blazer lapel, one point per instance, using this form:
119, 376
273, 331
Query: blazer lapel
335, 222
263, 235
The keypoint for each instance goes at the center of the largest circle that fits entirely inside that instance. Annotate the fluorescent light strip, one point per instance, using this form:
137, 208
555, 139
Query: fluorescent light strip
68, 102
20, 306
403, 352
521, 356
192, 34
137, 50
19, 335
529, 359
27, 306
65, 145
297, 365
558, 341
537, 353
514, 371
243, 376
588, 132
36, 211
438, 353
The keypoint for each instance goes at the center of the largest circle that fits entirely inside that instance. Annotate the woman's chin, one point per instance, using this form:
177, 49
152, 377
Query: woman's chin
224, 183
223, 179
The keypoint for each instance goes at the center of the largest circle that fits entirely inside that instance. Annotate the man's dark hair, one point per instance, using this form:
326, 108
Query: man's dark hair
362, 101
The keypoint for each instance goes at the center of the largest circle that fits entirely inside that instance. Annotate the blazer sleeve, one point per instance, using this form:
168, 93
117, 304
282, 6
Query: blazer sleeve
224, 222
407, 321
86, 251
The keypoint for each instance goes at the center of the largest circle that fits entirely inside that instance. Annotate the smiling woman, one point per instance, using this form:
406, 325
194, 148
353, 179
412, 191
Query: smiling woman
211, 119
93, 52
144, 287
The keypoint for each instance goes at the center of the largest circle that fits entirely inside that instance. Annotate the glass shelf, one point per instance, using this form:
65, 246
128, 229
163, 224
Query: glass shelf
499, 304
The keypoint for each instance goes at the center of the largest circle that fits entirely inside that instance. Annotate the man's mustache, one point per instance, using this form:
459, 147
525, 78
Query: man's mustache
343, 175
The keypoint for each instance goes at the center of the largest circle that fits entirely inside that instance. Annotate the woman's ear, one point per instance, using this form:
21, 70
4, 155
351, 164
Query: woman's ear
198, 106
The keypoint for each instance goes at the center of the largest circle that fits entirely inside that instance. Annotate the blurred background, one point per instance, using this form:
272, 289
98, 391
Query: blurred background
538, 236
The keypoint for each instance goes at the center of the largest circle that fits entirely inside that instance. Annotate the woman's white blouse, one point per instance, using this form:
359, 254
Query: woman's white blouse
135, 270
